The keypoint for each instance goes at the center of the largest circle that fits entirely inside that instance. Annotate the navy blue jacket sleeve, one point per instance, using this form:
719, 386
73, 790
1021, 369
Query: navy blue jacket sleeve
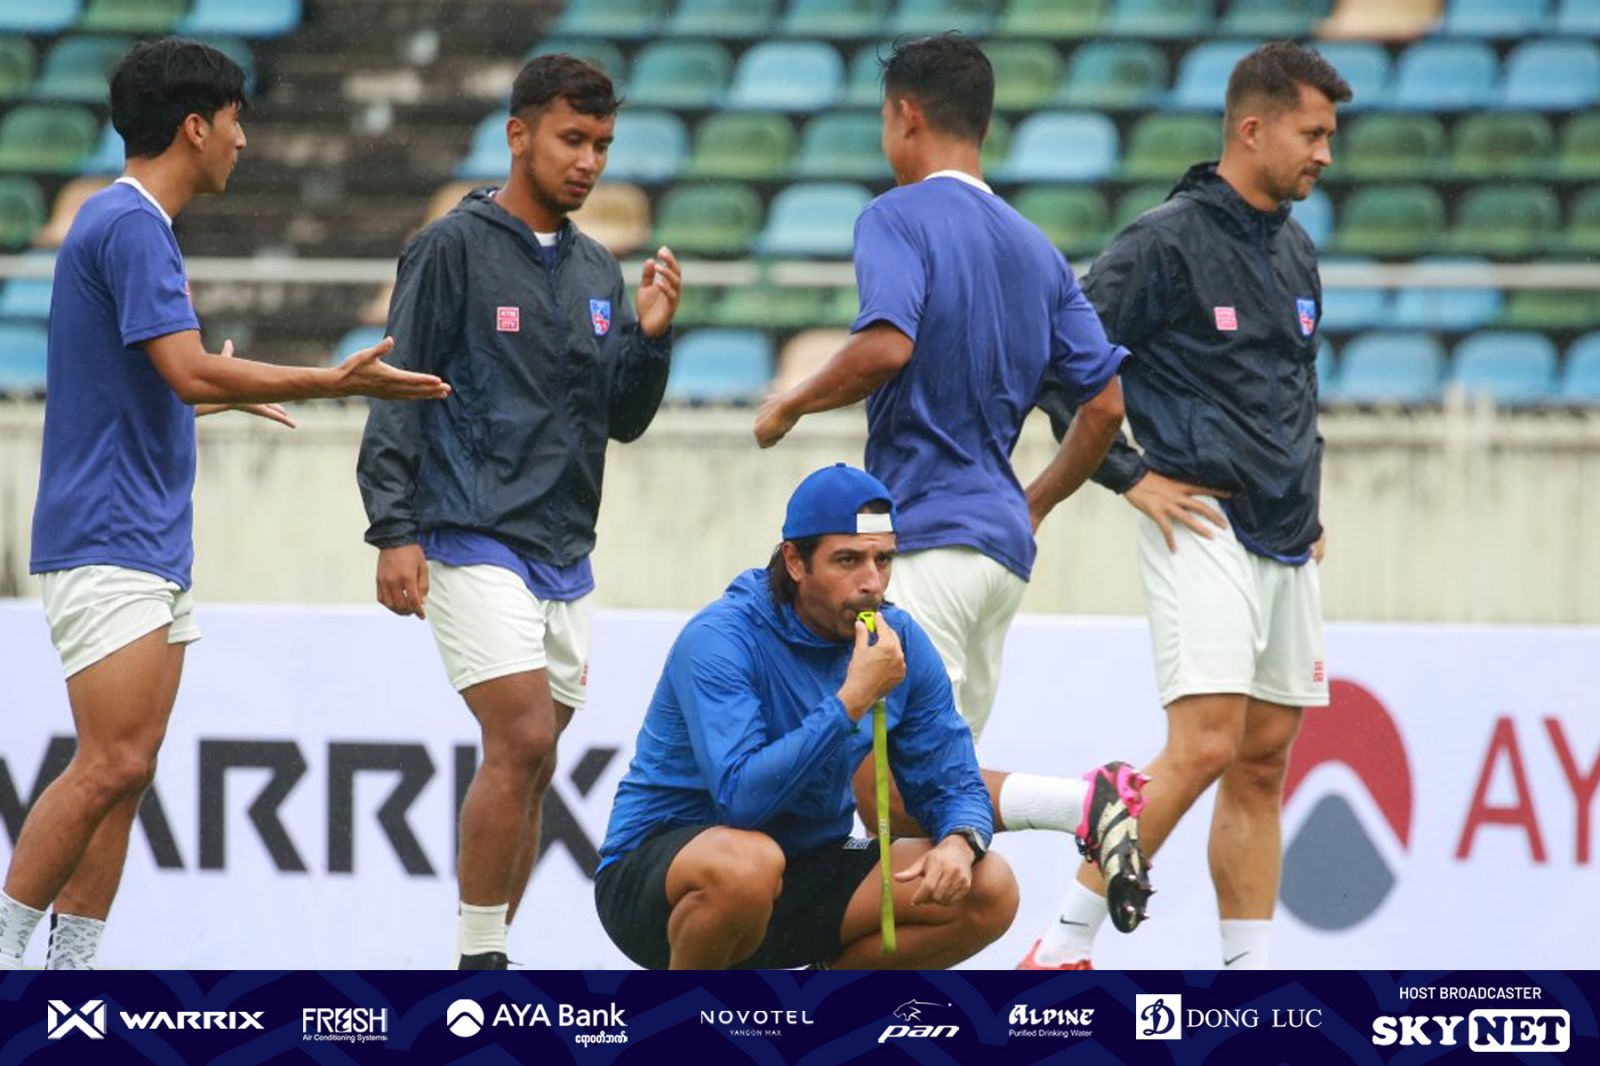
751, 777
639, 378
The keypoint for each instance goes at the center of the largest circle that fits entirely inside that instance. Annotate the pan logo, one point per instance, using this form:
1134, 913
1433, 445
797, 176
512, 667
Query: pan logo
1334, 875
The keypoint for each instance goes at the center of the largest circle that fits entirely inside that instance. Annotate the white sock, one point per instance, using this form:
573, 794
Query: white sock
74, 942
1033, 801
1070, 937
481, 929
17, 923
1246, 945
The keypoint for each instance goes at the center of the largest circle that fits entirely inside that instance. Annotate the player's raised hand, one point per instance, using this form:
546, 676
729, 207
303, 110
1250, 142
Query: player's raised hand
946, 873
366, 374
1167, 501
403, 579
659, 292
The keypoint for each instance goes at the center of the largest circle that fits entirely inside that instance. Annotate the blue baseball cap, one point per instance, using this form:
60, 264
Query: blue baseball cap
830, 501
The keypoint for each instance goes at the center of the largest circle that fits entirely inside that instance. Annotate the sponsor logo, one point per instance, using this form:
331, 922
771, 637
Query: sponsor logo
1227, 318
194, 1019
1306, 311
464, 1017
1158, 1017
600, 316
349, 1025
508, 319
1485, 1030
1164, 1017
758, 1023
1051, 1021
913, 1014
89, 1019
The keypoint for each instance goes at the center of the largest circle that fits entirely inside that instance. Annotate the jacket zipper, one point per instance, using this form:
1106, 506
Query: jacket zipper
564, 390
1273, 368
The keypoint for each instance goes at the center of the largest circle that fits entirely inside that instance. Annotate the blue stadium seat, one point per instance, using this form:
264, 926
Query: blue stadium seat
241, 18
109, 155
354, 341
1515, 367
1578, 18
1446, 76
1062, 146
1160, 18
1391, 368
922, 17
77, 67
1495, 18
1580, 380
720, 366
1552, 76
1273, 18
1365, 66
649, 146
813, 218
835, 18
1346, 309
627, 19
39, 16
1416, 307
26, 299
788, 76
23, 358
1315, 215
722, 18
489, 157
1327, 365
1203, 74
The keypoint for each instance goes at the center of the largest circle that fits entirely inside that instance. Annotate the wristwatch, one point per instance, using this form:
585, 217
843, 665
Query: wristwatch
975, 840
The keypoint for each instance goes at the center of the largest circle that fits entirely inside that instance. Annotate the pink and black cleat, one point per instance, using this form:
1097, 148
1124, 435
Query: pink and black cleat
1108, 836
1032, 962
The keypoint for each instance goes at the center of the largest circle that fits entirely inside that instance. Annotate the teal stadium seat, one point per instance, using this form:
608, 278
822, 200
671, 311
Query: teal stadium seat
680, 74
358, 339
864, 82
1315, 215
1365, 67
1495, 18
1027, 73
1447, 76
1115, 74
133, 16
769, 307
787, 76
843, 144
1450, 310
1390, 220
1399, 368
1505, 220
815, 218
1061, 146
24, 358
1136, 201
649, 146
723, 18
1161, 147
1347, 308
1578, 18
47, 138
110, 154
21, 212
39, 16
1327, 368
708, 219
18, 66
241, 18
1202, 80
488, 157
592, 50
1580, 379
1051, 18
1273, 18
1160, 18
1516, 368
625, 19
78, 68
919, 18
1502, 145
835, 19
1389, 147
720, 366
752, 146
27, 299
1558, 75
1074, 217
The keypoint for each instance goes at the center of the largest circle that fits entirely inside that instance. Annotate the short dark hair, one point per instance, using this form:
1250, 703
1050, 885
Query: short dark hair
779, 583
1276, 71
585, 87
949, 77
160, 83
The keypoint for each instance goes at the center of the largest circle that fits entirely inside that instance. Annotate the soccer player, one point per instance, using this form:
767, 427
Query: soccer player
483, 510
1217, 293
729, 843
112, 529
964, 306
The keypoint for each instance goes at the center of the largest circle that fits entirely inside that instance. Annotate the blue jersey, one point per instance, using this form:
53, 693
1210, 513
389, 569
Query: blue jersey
547, 581
117, 475
990, 305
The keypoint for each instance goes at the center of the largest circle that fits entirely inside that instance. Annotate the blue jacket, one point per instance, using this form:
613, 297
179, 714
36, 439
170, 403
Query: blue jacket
745, 730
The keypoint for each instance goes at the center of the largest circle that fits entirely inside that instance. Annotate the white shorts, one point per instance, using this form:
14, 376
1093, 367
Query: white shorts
965, 601
96, 610
488, 625
1225, 620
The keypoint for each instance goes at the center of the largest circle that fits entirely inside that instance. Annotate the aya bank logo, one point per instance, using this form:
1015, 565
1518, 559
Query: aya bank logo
1335, 875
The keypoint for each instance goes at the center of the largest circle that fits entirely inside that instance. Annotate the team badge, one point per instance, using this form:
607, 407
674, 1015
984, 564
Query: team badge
600, 316
1307, 310
508, 319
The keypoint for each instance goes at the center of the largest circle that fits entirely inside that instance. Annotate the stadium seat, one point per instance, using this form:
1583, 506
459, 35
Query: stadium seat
1389, 147
1327, 370
358, 339
1509, 220
1581, 235
813, 219
996, 144
1115, 74
841, 307
1159, 18
694, 306
1514, 367
1074, 217
110, 154
720, 366
1135, 202
18, 65
1495, 18
1380, 20
1365, 67
1203, 74
864, 82
679, 74
1452, 310
649, 146
835, 18
1051, 18
47, 138
921, 17
241, 18
1580, 379
1552, 76
240, 52
1502, 145
1403, 368
78, 68
1391, 220
1162, 147
617, 214
1579, 156
718, 219
723, 18
601, 53
751, 146
625, 19
1446, 76
768, 307
1346, 308
68, 201
843, 144
787, 76
488, 158
1273, 18
1062, 146
24, 358
25, 299
1552, 310
806, 353
21, 212
1027, 73
1315, 215
1578, 18
39, 16
133, 16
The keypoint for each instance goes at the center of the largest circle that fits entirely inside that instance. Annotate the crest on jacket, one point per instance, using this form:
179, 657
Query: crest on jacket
1307, 310
600, 316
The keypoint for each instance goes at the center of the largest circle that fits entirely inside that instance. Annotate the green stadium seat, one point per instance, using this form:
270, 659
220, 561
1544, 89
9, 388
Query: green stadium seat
1026, 73
1552, 310
78, 69
996, 144
680, 74
39, 16
601, 53
1052, 18
694, 306
241, 18
1579, 156
843, 145
720, 366
769, 307
1502, 145
626, 19
1136, 201
1162, 147
723, 18
751, 146
835, 19
133, 16
864, 82
1273, 18
1390, 220
922, 17
787, 76
21, 212
1511, 220
47, 138
1380, 147
1160, 18
1074, 217
716, 219
1581, 236
18, 65
1062, 146
813, 218
1115, 74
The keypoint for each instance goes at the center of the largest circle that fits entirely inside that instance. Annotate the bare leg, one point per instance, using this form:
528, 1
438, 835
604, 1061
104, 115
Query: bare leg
1246, 845
528, 850
722, 886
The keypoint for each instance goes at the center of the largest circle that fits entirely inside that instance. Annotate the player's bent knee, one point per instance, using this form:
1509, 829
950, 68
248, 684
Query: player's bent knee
117, 775
994, 898
528, 745
741, 871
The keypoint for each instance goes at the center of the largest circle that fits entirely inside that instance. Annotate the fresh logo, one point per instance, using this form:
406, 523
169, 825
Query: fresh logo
911, 1012
600, 316
351, 1025
89, 1019
1158, 1017
464, 1017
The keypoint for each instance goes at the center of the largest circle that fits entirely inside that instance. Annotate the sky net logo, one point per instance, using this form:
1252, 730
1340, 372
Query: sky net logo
1335, 873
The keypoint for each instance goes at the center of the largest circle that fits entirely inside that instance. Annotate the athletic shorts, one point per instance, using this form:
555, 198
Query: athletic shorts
1225, 620
488, 625
631, 894
965, 601
96, 610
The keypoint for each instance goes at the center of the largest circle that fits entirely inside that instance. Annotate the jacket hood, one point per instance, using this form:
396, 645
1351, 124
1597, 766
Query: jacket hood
1202, 184
481, 204
750, 595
